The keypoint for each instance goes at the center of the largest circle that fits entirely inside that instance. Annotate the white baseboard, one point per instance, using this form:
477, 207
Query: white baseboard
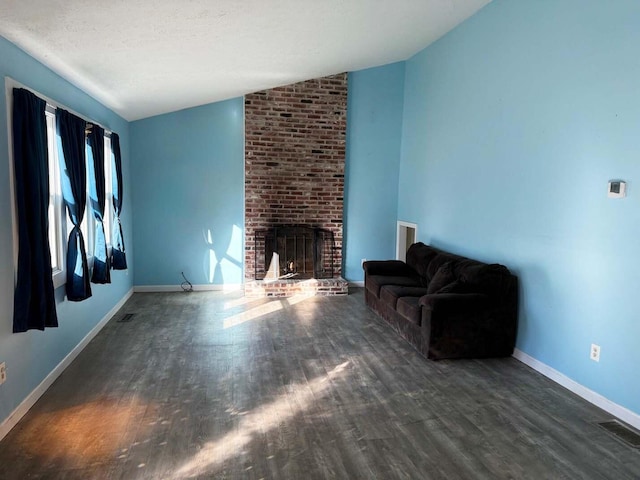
598, 400
33, 397
357, 283
196, 288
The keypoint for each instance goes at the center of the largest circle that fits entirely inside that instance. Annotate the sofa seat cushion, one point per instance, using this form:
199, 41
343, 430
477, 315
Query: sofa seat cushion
390, 294
375, 282
410, 308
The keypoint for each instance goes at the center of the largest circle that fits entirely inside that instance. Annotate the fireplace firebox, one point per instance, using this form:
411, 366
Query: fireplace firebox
293, 251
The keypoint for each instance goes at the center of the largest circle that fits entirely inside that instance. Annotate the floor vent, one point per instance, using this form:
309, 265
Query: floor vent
127, 318
622, 432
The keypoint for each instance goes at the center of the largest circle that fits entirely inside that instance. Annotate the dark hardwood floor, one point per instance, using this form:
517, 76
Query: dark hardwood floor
213, 385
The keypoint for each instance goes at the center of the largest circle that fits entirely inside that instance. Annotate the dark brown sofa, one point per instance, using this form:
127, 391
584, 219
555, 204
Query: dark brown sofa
446, 305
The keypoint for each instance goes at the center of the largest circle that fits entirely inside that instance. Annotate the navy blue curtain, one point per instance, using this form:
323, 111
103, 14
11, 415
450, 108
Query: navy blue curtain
34, 305
71, 145
101, 261
119, 260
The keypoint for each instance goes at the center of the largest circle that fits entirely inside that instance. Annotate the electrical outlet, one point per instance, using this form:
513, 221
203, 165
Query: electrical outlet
3, 373
595, 352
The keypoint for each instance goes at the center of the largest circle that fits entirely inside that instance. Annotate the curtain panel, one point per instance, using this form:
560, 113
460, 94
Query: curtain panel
119, 260
34, 301
71, 148
101, 261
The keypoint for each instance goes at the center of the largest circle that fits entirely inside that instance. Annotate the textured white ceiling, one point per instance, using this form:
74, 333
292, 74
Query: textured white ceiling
147, 57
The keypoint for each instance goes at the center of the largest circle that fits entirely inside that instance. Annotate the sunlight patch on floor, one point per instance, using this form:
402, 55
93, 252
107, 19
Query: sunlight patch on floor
256, 422
82, 434
237, 302
264, 309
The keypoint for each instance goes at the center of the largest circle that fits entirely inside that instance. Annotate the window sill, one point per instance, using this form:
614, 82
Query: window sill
59, 278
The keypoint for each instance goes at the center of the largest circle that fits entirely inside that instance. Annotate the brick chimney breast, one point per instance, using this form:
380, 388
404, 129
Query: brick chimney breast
294, 160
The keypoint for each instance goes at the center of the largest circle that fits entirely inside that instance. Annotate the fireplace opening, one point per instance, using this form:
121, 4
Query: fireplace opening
299, 252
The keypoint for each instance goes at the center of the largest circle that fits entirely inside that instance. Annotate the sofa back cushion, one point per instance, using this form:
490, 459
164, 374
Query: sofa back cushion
491, 279
426, 260
443, 277
419, 257
447, 272
440, 260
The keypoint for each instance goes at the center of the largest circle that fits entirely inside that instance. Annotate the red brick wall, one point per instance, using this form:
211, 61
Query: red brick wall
294, 159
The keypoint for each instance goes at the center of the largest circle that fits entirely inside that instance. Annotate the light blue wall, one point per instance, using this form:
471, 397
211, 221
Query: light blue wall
31, 356
513, 124
374, 124
188, 172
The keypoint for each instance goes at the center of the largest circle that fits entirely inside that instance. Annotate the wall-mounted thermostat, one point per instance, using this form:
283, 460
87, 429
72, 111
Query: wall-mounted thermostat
617, 188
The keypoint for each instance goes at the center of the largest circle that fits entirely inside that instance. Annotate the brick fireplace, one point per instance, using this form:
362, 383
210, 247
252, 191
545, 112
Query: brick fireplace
294, 162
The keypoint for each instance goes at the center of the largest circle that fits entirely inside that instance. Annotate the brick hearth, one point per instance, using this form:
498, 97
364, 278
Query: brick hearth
288, 288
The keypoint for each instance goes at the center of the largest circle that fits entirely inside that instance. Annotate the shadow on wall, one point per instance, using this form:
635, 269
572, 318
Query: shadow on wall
223, 254
532, 277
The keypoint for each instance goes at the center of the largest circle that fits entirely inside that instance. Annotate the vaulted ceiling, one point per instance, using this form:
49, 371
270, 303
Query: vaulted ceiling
146, 57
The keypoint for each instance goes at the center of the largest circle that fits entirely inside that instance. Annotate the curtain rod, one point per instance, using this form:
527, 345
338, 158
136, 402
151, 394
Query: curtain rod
52, 105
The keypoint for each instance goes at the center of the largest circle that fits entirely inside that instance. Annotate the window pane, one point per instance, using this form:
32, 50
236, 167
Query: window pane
108, 203
88, 224
84, 228
54, 195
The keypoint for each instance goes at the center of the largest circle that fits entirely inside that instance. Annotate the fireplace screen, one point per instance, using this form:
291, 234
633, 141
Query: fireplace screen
293, 252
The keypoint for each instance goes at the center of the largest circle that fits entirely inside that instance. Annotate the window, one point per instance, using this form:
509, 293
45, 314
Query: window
59, 223
30, 187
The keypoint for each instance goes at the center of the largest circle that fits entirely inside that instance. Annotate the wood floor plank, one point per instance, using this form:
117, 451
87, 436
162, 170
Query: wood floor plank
214, 385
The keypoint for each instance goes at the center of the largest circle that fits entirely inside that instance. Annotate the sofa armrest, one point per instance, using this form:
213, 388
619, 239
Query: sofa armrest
394, 268
458, 325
